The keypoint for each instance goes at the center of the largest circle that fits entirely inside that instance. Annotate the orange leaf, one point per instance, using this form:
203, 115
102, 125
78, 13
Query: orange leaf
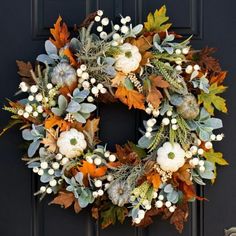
65, 90
119, 79
70, 56
159, 82
154, 97
60, 33
143, 43
56, 121
92, 170
132, 98
219, 78
189, 192
154, 179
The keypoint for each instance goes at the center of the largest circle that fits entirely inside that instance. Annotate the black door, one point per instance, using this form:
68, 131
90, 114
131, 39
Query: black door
24, 26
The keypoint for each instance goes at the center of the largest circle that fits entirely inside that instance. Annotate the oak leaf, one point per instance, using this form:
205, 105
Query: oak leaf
66, 199
118, 79
154, 95
24, 69
60, 34
142, 43
90, 129
183, 174
215, 157
50, 142
180, 216
211, 100
207, 62
131, 98
91, 169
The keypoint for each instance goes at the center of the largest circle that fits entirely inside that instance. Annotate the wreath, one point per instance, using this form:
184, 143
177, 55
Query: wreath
146, 67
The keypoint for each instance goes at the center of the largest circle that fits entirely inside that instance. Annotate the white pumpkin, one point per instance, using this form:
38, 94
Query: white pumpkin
129, 58
170, 157
71, 143
63, 74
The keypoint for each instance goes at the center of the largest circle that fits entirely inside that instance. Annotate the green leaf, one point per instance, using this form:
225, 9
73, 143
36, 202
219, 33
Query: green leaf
140, 151
155, 22
112, 214
211, 100
215, 157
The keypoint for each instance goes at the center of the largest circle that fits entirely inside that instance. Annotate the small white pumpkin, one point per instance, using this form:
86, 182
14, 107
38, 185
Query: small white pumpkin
170, 157
119, 193
71, 143
129, 58
63, 74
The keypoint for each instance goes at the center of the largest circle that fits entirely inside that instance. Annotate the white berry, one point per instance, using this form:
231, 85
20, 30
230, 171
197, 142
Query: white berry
105, 21
189, 69
178, 51
168, 204
64, 160
98, 183
55, 165
97, 161
26, 115
208, 145
49, 190
34, 89
50, 171
112, 158
159, 204
42, 189
166, 121
53, 183
44, 165
100, 192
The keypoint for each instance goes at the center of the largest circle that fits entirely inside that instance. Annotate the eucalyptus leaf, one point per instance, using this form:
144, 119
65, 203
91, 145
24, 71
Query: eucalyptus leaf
33, 147
50, 48
87, 107
73, 107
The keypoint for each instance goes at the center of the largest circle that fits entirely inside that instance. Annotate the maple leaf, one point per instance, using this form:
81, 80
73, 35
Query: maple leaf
155, 22
90, 129
60, 34
53, 121
154, 95
154, 179
92, 170
219, 78
132, 98
66, 199
180, 216
118, 79
51, 139
215, 157
24, 69
111, 214
211, 100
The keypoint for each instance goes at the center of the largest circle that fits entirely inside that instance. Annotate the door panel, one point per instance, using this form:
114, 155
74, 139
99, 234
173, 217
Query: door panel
24, 27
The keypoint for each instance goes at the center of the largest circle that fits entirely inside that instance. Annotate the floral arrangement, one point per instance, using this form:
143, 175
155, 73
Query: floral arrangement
145, 67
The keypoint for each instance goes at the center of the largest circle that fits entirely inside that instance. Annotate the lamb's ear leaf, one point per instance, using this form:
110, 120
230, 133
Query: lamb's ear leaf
79, 118
57, 111
62, 103
50, 47
87, 108
73, 107
27, 135
33, 147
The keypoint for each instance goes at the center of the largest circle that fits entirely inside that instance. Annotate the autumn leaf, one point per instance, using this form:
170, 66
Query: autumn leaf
180, 216
183, 174
110, 215
70, 56
53, 121
118, 79
132, 98
219, 78
215, 157
154, 95
50, 142
207, 61
24, 69
211, 100
90, 129
60, 34
155, 22
91, 169
143, 43
126, 155
68, 89
154, 179
66, 199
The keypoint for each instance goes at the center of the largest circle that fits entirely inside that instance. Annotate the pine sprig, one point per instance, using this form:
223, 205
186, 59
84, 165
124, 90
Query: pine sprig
157, 139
